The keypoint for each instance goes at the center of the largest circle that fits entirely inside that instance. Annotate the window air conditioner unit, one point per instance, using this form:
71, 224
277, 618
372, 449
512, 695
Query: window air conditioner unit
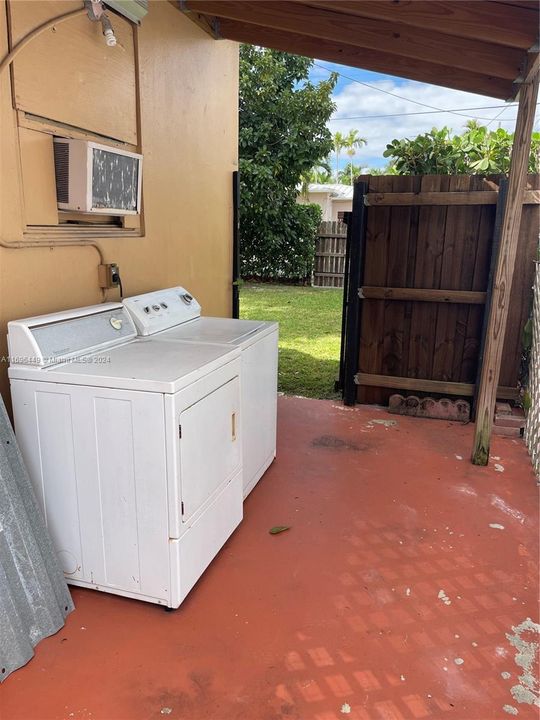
95, 178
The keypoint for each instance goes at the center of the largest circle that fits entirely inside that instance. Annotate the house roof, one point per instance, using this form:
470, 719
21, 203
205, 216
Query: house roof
335, 190
484, 47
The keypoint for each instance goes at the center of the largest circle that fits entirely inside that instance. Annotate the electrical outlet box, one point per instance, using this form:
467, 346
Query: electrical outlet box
109, 275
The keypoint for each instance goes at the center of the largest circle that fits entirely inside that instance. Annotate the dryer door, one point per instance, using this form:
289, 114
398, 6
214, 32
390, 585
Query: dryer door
210, 447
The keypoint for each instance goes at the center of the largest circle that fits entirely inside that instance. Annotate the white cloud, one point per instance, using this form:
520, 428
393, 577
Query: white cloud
355, 99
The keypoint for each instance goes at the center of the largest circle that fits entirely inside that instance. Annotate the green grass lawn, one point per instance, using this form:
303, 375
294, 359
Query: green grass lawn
309, 334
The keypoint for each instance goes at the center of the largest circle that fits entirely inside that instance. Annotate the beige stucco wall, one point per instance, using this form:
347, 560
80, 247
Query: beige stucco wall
188, 136
329, 207
321, 199
340, 206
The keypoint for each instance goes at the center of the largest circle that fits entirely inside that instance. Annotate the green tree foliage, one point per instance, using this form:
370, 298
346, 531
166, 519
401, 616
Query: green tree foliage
350, 143
477, 150
349, 172
283, 135
353, 141
338, 140
320, 174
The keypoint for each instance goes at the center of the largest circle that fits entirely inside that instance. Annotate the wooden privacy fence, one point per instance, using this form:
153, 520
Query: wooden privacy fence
532, 430
329, 263
427, 254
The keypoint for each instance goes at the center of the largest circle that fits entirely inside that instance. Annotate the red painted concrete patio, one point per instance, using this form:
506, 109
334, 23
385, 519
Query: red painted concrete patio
389, 598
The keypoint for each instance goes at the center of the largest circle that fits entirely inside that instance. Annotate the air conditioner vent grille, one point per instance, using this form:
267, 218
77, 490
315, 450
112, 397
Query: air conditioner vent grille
61, 168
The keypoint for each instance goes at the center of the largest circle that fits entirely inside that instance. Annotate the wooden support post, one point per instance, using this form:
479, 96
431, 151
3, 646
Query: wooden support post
498, 311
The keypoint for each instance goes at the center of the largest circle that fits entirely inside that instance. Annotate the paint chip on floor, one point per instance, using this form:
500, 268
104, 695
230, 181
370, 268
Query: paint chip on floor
385, 423
505, 675
499, 503
345, 709
510, 710
498, 467
166, 710
459, 661
496, 526
444, 597
528, 689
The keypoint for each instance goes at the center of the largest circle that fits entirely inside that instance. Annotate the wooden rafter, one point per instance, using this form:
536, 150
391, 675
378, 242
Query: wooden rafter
374, 60
489, 21
208, 24
482, 47
408, 42
502, 286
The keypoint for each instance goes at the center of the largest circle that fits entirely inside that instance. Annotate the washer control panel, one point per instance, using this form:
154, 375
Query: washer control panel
162, 309
49, 339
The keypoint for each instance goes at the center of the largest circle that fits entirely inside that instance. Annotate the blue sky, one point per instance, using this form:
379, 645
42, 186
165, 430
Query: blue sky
353, 99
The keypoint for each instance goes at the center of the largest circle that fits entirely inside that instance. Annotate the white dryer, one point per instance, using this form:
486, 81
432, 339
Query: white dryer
133, 447
174, 314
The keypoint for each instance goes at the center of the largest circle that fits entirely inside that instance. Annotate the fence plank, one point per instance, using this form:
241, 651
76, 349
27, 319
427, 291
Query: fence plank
431, 233
430, 386
468, 321
520, 295
466, 297
430, 197
376, 261
329, 262
448, 342
396, 276
475, 315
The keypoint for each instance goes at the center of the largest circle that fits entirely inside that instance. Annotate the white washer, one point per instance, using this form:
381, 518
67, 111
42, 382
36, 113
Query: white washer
173, 314
116, 432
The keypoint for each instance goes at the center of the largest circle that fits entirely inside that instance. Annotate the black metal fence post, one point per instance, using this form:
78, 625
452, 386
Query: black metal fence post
338, 385
356, 231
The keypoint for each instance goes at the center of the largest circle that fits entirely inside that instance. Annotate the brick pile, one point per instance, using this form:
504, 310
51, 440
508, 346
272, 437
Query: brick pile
509, 421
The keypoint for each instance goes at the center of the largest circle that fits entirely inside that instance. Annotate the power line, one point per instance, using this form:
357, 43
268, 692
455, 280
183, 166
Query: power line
496, 117
400, 97
423, 112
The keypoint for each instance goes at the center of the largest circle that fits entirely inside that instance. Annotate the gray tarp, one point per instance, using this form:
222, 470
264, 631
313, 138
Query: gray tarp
34, 598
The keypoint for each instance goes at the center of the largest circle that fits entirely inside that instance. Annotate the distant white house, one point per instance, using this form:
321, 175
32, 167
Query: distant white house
333, 198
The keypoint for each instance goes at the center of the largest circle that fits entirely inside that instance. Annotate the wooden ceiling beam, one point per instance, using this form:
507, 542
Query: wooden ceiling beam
208, 24
528, 4
480, 20
433, 47
367, 59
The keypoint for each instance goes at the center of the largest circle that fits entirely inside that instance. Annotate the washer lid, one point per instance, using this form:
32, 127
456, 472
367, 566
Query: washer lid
216, 330
142, 364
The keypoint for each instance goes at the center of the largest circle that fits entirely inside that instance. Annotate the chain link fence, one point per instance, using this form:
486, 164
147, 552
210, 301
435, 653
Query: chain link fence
532, 430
